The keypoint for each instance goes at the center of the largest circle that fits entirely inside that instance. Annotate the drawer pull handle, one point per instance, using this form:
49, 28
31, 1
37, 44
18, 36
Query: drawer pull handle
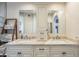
64, 53
41, 49
41, 38
41, 33
19, 53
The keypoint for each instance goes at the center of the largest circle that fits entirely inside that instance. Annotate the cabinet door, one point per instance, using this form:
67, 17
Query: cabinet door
41, 51
19, 51
63, 51
42, 16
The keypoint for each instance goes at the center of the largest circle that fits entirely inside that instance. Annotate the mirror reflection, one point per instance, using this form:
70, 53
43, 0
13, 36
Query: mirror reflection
55, 24
27, 22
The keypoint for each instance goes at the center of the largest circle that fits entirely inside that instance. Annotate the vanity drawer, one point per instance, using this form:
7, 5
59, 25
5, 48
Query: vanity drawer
41, 51
62, 51
19, 51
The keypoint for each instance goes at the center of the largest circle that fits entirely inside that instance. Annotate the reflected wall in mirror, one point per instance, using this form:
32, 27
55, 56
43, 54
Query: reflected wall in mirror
56, 22
27, 21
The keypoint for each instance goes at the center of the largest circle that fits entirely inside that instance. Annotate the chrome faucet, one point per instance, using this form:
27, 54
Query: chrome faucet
26, 37
57, 37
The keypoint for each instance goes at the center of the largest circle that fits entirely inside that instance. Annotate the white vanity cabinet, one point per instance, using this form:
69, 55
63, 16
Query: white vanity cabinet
27, 48
42, 51
19, 51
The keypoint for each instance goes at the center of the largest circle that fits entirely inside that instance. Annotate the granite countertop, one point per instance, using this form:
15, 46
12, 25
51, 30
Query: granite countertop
42, 42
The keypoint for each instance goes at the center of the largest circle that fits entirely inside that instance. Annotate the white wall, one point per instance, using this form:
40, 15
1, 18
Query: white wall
56, 6
72, 18
13, 11
13, 8
70, 12
2, 9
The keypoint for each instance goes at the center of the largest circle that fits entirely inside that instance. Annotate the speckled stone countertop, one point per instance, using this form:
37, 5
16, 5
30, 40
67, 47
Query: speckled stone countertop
42, 42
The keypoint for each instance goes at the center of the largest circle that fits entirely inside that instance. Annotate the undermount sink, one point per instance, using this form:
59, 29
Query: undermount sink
40, 40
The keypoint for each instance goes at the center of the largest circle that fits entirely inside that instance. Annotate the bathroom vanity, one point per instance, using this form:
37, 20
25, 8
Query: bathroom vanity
44, 48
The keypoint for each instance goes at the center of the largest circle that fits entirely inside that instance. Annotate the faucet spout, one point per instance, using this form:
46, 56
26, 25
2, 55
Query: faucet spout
57, 37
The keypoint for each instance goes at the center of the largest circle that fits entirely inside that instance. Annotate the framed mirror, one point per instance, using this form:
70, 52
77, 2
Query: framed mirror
56, 22
27, 23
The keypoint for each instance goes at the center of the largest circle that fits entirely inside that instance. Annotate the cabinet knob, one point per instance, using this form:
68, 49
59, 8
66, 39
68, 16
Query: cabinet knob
64, 53
19, 53
41, 48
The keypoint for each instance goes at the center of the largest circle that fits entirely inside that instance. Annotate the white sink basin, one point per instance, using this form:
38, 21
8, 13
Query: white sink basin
56, 42
60, 41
